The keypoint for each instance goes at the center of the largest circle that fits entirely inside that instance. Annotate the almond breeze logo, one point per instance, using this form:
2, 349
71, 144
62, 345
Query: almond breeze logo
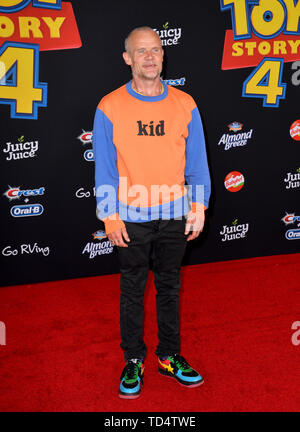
102, 247
169, 36
236, 139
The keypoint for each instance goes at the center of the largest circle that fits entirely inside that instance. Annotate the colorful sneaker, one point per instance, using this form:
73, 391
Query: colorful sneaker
131, 379
177, 367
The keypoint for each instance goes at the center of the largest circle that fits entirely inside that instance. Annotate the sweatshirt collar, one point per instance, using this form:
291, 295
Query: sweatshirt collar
147, 98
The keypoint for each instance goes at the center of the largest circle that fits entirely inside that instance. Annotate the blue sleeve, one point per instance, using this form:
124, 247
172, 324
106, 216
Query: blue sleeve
196, 168
106, 172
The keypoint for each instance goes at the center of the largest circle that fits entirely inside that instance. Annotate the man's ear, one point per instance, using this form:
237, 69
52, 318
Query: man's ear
127, 58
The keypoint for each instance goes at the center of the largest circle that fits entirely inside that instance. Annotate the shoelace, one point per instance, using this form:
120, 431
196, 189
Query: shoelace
180, 362
132, 371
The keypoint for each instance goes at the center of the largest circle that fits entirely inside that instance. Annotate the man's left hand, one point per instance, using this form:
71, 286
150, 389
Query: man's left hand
194, 223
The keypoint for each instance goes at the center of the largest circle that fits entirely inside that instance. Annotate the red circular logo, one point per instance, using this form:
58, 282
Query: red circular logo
234, 181
295, 130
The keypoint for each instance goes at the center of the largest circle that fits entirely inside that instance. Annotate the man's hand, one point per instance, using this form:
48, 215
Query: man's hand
194, 223
117, 237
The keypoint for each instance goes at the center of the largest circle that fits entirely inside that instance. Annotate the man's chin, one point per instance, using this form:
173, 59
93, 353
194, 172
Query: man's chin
151, 76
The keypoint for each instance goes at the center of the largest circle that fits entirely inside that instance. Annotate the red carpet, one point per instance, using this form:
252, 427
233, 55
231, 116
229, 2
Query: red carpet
62, 350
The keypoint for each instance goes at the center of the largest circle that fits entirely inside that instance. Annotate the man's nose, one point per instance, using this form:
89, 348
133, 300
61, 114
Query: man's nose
149, 54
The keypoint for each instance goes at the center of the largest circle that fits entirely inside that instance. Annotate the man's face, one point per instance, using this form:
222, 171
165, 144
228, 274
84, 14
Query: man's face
145, 55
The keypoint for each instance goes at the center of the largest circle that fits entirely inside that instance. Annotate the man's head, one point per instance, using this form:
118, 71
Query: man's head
144, 53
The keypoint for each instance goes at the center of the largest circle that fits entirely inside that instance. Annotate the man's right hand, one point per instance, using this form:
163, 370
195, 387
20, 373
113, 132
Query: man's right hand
117, 237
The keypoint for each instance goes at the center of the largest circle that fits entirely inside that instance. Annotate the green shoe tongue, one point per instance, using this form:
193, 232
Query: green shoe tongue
132, 371
130, 379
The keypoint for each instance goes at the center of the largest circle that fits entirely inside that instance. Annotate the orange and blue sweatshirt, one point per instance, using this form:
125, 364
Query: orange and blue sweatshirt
150, 157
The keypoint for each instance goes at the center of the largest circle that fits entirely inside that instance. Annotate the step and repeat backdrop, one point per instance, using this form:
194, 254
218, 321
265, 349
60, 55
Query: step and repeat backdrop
240, 60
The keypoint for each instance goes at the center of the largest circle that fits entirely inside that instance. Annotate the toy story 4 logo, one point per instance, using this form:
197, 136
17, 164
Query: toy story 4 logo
265, 34
26, 28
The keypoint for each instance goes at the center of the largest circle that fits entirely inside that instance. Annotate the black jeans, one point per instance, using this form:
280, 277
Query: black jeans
165, 242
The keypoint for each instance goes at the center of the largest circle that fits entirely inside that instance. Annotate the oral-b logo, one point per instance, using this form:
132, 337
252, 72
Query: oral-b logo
27, 210
293, 234
89, 155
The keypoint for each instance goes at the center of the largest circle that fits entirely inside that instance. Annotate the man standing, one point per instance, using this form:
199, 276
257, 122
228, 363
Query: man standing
148, 140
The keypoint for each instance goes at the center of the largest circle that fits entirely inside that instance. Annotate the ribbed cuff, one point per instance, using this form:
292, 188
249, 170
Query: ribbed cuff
198, 207
113, 223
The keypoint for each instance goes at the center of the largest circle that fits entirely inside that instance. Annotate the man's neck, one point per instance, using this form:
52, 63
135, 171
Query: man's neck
147, 87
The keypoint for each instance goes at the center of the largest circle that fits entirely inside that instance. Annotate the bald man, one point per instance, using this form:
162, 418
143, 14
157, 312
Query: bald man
152, 188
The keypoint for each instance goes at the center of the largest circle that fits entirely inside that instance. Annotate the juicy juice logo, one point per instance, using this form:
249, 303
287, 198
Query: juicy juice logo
21, 150
264, 34
26, 28
169, 36
292, 180
234, 231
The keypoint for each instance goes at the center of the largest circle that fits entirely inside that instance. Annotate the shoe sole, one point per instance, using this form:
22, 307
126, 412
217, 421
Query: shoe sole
192, 385
129, 396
